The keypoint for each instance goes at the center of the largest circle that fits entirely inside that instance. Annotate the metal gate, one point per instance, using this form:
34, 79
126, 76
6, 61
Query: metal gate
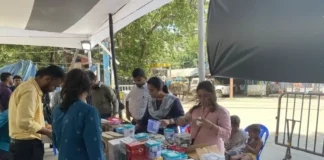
299, 124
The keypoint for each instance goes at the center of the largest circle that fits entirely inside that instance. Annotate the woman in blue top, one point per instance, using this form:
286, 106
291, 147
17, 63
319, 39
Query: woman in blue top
76, 125
162, 106
4, 136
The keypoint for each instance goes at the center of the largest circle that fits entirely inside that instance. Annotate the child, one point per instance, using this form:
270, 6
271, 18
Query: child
236, 144
253, 146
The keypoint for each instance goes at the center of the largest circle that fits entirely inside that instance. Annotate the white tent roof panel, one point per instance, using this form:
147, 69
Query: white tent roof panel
65, 23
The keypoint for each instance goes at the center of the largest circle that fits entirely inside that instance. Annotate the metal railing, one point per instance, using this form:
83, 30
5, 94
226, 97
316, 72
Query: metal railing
298, 128
125, 87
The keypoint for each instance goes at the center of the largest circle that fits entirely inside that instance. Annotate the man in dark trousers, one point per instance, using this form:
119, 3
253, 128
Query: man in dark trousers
5, 93
26, 117
102, 97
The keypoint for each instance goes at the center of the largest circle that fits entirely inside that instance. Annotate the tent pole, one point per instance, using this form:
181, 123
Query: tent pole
201, 37
98, 72
231, 87
113, 56
89, 59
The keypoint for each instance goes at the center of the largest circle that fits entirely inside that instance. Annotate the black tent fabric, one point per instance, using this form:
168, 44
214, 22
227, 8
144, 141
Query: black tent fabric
271, 40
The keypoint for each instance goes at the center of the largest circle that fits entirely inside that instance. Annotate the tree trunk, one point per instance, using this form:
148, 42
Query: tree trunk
143, 49
52, 58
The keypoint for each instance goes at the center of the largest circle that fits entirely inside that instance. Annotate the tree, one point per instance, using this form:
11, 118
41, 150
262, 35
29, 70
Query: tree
166, 35
41, 55
13, 53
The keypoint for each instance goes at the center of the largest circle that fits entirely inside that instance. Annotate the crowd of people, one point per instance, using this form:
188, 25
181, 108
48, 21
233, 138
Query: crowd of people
76, 112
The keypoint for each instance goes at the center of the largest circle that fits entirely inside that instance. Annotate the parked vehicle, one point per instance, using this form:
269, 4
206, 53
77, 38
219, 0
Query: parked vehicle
221, 90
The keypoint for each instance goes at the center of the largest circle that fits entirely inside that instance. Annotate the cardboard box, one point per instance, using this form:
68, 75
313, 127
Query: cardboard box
124, 142
107, 127
136, 149
195, 150
213, 156
122, 156
106, 137
113, 149
104, 125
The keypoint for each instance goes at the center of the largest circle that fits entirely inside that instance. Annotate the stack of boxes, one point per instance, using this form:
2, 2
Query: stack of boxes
140, 147
128, 148
110, 125
106, 138
123, 146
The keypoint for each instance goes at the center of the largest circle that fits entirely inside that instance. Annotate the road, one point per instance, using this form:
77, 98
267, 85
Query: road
264, 111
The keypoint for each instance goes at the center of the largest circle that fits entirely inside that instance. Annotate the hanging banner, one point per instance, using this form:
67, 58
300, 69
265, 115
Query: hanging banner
271, 40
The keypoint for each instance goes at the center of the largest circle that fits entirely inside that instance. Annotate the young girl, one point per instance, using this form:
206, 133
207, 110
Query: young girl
253, 146
236, 144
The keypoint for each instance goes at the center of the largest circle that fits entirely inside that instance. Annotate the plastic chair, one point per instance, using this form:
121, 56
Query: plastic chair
263, 132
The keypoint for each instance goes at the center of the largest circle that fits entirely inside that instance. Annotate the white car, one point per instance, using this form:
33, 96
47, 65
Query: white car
221, 90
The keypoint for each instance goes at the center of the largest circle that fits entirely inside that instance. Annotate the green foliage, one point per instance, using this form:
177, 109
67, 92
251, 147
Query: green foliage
13, 53
166, 35
42, 56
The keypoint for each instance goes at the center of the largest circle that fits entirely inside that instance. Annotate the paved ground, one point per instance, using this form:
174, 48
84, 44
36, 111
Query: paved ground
264, 110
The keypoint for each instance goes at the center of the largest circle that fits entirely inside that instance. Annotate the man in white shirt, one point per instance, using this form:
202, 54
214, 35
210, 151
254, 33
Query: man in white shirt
136, 100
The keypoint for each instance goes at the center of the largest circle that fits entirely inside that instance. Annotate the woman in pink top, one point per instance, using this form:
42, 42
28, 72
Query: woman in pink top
210, 123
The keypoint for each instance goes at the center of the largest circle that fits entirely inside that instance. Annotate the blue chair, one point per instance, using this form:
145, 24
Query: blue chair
264, 134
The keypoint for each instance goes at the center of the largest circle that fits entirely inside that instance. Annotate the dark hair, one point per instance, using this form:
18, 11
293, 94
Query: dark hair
76, 83
209, 87
254, 128
52, 71
91, 75
4, 76
235, 120
138, 72
17, 77
157, 83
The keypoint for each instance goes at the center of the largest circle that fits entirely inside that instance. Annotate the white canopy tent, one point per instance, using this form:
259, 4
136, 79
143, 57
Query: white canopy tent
65, 23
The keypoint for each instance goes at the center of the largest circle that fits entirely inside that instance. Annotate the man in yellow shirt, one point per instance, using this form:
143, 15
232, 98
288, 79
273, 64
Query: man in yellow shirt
26, 118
